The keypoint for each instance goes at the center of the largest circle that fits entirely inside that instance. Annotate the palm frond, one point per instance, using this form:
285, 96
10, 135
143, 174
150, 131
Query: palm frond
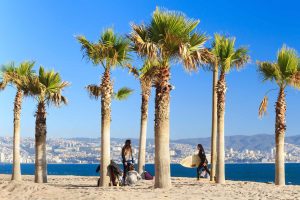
57, 99
123, 93
94, 91
12, 74
285, 70
268, 71
263, 107
4, 81
240, 57
295, 80
111, 49
10, 67
25, 68
133, 70
47, 87
2, 86
7, 74
121, 49
89, 49
64, 100
197, 58
170, 36
32, 86
170, 27
227, 56
288, 61
141, 42
150, 69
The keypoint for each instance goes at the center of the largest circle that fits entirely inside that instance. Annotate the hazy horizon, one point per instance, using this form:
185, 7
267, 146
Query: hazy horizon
45, 32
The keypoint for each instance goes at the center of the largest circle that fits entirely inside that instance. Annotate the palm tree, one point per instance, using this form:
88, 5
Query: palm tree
169, 37
227, 58
46, 88
15, 75
285, 71
109, 52
145, 80
214, 125
146, 91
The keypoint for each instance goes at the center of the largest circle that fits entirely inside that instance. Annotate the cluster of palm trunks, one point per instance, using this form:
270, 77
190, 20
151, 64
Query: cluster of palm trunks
169, 37
46, 88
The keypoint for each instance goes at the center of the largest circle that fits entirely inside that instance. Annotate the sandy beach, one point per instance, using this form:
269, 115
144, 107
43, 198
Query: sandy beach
84, 188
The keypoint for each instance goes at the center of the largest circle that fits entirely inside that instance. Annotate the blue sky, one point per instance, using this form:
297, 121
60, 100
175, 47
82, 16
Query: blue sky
45, 32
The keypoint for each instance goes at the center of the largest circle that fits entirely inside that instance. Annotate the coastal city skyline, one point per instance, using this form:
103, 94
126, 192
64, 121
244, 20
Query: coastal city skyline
86, 150
262, 32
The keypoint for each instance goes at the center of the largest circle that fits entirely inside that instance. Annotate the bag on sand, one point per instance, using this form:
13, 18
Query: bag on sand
147, 176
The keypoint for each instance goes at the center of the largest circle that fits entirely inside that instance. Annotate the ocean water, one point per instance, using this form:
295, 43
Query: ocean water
241, 172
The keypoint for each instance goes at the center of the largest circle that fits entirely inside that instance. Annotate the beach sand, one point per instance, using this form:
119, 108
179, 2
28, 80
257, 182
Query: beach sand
84, 188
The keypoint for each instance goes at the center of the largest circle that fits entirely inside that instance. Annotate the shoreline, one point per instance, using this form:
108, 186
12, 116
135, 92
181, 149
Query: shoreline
1, 163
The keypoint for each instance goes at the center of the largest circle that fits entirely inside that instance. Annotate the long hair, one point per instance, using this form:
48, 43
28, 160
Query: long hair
127, 147
201, 149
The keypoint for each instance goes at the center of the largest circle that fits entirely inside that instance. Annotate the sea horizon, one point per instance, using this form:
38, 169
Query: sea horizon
254, 172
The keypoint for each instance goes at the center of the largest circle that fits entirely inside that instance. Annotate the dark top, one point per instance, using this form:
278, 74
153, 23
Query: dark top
202, 157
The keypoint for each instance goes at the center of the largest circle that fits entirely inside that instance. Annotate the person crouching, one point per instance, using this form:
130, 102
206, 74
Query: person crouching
132, 176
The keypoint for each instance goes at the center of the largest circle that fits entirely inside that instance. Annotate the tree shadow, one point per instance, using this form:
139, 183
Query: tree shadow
74, 186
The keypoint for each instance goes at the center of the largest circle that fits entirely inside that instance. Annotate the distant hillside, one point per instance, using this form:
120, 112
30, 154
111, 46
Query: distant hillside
262, 142
293, 140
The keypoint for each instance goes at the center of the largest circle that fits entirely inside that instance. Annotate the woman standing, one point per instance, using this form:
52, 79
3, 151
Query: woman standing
127, 157
203, 161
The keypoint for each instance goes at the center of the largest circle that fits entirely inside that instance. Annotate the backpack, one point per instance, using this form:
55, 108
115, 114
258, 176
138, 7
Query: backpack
147, 176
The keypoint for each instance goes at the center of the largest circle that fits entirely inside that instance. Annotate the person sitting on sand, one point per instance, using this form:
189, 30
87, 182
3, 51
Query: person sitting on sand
203, 161
132, 176
127, 157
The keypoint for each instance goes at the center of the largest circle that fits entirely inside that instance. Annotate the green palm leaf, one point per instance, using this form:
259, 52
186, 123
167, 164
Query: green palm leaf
170, 36
287, 61
111, 50
268, 71
284, 71
47, 87
227, 56
123, 93
15, 75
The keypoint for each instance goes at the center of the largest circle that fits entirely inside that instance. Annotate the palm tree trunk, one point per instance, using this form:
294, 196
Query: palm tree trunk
16, 174
106, 90
280, 128
146, 89
221, 90
162, 130
40, 144
214, 124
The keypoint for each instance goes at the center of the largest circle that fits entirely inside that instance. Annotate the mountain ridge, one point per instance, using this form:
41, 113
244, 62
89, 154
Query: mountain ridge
258, 142
261, 142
